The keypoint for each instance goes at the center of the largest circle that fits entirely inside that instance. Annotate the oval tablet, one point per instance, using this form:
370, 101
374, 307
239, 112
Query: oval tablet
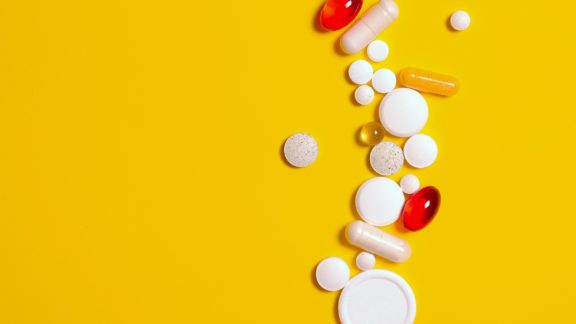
403, 112
332, 274
384, 80
379, 201
360, 72
300, 150
420, 151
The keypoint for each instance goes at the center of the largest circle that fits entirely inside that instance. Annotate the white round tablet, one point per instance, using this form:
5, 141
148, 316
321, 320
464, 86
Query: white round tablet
420, 151
403, 112
377, 296
332, 274
409, 184
360, 72
460, 20
384, 81
379, 201
364, 95
365, 261
378, 51
386, 158
300, 150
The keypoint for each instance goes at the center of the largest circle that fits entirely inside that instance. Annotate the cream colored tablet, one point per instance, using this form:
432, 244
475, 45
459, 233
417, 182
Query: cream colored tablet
386, 158
300, 150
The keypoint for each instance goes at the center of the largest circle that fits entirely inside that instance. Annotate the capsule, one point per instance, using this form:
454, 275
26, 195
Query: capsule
370, 25
374, 240
427, 81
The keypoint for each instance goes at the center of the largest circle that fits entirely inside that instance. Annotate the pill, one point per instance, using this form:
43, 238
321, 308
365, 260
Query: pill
460, 20
369, 26
427, 81
384, 81
337, 14
365, 261
376, 241
409, 184
421, 208
386, 158
420, 151
378, 51
332, 274
364, 95
372, 133
403, 112
300, 150
360, 72
379, 201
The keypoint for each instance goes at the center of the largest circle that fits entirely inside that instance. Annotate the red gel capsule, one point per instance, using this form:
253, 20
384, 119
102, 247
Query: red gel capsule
337, 14
421, 208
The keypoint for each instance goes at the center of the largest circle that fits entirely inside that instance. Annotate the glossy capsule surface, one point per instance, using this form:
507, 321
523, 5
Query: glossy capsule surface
421, 208
337, 14
427, 81
374, 240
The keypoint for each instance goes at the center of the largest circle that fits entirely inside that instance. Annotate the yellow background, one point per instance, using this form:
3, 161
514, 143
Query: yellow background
141, 179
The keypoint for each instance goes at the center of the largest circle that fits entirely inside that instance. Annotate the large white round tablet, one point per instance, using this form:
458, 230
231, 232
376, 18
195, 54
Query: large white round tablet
460, 20
386, 158
300, 150
378, 51
420, 151
360, 72
365, 261
379, 201
409, 184
364, 95
332, 274
403, 112
377, 296
384, 81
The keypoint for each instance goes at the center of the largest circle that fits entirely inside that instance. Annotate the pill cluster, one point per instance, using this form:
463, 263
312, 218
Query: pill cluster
381, 296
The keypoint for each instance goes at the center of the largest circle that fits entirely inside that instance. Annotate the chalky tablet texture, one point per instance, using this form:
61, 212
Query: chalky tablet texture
365, 261
364, 95
378, 51
332, 274
409, 184
384, 81
300, 150
379, 201
420, 151
360, 72
386, 158
403, 112
460, 20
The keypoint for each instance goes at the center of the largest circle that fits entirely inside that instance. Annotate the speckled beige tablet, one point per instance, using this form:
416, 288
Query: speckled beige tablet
300, 150
386, 158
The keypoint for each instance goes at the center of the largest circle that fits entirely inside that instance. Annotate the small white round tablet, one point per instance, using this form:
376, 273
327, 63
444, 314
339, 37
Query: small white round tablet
409, 184
365, 261
378, 51
420, 151
379, 201
332, 274
384, 81
300, 150
460, 20
403, 112
360, 72
377, 296
364, 95
386, 158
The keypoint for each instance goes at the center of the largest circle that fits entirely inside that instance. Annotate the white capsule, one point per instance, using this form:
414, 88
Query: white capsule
409, 184
360, 72
378, 51
460, 20
378, 242
420, 151
365, 261
364, 95
332, 274
384, 80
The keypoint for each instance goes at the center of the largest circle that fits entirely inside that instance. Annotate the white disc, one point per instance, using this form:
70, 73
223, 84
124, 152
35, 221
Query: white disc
365, 261
300, 150
403, 112
379, 201
420, 151
360, 72
460, 20
409, 184
377, 296
378, 51
364, 95
332, 274
384, 81
386, 158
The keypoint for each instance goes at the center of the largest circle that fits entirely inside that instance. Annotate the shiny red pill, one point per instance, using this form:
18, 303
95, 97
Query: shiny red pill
421, 208
337, 14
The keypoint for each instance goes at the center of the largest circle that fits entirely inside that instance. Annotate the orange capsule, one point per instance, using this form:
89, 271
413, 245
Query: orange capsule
427, 81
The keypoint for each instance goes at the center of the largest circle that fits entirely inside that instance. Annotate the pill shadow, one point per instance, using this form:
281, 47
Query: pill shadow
316, 21
449, 25
338, 49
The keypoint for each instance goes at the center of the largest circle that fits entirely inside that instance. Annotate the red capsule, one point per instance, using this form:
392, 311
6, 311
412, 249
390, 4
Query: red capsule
421, 208
337, 14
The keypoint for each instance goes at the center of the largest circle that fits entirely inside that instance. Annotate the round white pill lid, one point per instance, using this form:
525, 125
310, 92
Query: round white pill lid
403, 112
379, 201
377, 296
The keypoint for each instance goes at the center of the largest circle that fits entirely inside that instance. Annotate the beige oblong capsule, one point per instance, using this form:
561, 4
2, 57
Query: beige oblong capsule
427, 81
374, 240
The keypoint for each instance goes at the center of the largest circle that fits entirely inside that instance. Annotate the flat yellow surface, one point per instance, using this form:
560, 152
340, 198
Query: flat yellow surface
141, 179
